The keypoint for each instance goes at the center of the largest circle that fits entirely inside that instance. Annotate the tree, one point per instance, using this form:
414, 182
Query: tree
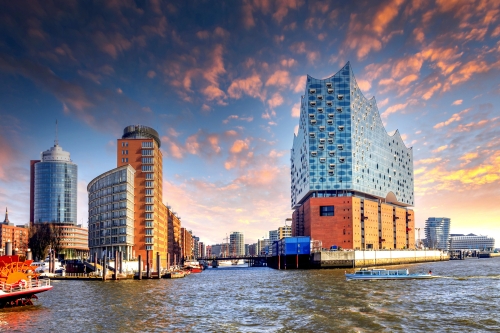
40, 236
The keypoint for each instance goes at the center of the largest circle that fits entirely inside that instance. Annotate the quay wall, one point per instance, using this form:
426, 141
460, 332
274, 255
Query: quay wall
359, 258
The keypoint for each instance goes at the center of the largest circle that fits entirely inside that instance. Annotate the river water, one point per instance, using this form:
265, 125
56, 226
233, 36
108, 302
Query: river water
241, 299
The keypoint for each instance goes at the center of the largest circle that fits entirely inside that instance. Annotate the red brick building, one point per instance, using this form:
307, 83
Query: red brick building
17, 235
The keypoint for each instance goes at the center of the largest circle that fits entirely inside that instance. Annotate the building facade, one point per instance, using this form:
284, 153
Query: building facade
139, 147
186, 244
351, 182
273, 235
17, 235
174, 235
437, 233
285, 231
111, 213
53, 199
237, 244
471, 242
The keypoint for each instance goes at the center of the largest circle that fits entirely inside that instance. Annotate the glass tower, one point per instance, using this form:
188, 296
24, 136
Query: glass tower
437, 232
55, 187
343, 149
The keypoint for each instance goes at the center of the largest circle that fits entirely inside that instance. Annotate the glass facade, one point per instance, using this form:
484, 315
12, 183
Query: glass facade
55, 192
437, 233
111, 212
343, 149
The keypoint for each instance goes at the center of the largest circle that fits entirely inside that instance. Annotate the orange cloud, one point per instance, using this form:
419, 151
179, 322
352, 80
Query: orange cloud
393, 109
453, 118
440, 149
296, 110
250, 86
276, 100
457, 102
279, 78
238, 146
300, 84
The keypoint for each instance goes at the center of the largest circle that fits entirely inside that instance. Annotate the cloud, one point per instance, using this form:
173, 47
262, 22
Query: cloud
251, 86
296, 110
151, 74
236, 117
457, 102
300, 85
279, 78
276, 100
453, 118
393, 109
439, 149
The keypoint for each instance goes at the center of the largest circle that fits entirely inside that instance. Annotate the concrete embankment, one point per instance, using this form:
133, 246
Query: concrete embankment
344, 259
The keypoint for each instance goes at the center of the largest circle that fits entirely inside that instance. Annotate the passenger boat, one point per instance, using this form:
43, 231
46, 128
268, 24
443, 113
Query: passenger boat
18, 282
193, 266
386, 274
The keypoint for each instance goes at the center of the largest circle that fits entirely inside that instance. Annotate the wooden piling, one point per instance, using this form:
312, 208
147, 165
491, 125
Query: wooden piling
115, 276
168, 261
104, 270
158, 268
121, 261
148, 268
140, 267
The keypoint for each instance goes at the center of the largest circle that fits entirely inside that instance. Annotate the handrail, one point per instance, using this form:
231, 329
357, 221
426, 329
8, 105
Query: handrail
30, 284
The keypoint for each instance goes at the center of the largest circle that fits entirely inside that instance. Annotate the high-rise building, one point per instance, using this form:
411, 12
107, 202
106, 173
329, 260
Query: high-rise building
237, 244
111, 213
437, 233
285, 231
143, 211
351, 182
53, 199
273, 236
471, 242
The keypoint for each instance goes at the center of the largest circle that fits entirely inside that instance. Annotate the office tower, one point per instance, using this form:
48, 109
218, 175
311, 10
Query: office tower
437, 233
236, 244
351, 182
53, 199
111, 213
137, 150
273, 235
285, 231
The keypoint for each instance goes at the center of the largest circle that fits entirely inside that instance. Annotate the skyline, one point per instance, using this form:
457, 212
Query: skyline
221, 83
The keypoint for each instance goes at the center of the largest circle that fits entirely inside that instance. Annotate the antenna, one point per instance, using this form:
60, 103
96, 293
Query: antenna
56, 141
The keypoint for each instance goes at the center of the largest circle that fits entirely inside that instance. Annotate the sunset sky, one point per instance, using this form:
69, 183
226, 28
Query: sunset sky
221, 82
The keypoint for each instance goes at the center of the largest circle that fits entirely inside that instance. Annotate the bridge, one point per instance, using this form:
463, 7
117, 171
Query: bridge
253, 261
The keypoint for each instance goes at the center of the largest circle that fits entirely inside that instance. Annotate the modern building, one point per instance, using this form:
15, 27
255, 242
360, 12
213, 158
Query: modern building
471, 242
437, 233
285, 231
216, 250
252, 249
138, 150
53, 199
263, 246
201, 250
174, 235
236, 244
351, 182
111, 213
273, 235
17, 235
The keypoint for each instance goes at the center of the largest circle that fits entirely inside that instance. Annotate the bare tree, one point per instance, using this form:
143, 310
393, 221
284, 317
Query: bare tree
40, 236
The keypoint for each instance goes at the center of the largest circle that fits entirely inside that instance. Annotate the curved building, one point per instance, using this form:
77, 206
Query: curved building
111, 213
342, 150
53, 199
437, 233
55, 187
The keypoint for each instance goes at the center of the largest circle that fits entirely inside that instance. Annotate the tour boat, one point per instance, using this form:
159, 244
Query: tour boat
193, 266
386, 274
18, 282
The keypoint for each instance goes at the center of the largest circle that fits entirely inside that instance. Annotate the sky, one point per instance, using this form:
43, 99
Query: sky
221, 82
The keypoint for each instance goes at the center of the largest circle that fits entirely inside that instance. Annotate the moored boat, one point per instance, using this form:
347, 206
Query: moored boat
18, 282
193, 266
387, 274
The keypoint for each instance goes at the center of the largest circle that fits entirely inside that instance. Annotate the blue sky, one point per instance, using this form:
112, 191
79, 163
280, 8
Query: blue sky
221, 82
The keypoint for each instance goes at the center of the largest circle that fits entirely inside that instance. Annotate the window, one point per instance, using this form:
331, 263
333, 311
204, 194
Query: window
149, 191
147, 144
149, 208
322, 160
330, 91
147, 168
321, 128
147, 152
313, 153
328, 84
329, 122
313, 121
149, 240
149, 199
149, 232
149, 183
320, 97
124, 144
320, 110
331, 134
332, 166
311, 115
321, 140
147, 160
331, 153
340, 97
312, 91
312, 135
326, 211
149, 224
321, 147
312, 103
148, 216
341, 128
330, 140
339, 109
149, 176
330, 115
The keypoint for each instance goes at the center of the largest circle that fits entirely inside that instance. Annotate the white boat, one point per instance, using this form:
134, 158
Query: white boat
225, 263
387, 274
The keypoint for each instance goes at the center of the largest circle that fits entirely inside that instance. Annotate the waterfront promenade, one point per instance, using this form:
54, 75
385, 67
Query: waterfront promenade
266, 300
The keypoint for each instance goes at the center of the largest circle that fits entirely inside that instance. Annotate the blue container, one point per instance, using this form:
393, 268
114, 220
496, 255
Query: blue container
294, 245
